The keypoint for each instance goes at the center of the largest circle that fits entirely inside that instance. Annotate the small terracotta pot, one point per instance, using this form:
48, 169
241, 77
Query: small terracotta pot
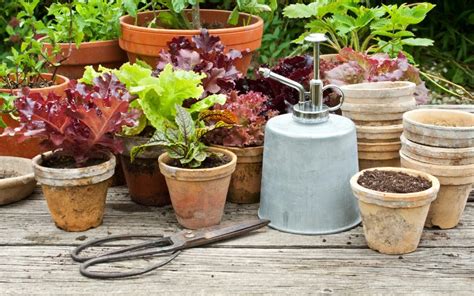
106, 53
372, 155
75, 197
9, 145
17, 180
146, 184
456, 184
379, 134
198, 195
146, 43
393, 222
246, 180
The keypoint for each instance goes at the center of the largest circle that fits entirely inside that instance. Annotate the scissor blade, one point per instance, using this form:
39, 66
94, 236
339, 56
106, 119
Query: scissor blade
221, 232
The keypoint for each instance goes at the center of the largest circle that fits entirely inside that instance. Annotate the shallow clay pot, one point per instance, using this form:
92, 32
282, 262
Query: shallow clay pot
17, 180
9, 145
75, 197
439, 128
373, 155
246, 180
456, 184
106, 53
379, 134
146, 184
393, 222
146, 43
198, 195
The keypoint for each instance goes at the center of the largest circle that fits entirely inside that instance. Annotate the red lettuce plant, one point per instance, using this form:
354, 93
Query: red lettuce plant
252, 113
204, 54
83, 124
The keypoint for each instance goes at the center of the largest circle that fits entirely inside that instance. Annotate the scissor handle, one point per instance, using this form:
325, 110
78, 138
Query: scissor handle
333, 86
97, 242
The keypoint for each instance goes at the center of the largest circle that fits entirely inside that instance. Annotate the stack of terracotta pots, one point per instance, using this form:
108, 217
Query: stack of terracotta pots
377, 109
441, 143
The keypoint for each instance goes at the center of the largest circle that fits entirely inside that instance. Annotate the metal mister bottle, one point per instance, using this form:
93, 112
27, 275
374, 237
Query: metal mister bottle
309, 157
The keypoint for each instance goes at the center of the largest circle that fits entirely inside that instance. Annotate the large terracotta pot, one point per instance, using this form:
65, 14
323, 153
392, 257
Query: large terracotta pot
106, 53
146, 43
246, 180
9, 145
75, 197
198, 195
393, 222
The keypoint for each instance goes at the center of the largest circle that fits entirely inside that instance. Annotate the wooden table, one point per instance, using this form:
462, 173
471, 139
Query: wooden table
34, 257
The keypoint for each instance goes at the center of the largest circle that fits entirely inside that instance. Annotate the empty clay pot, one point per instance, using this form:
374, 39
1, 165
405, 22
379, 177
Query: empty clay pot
456, 184
198, 195
379, 134
372, 155
439, 128
17, 180
393, 222
75, 197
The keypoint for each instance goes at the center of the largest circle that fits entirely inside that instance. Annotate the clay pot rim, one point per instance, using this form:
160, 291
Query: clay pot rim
434, 149
246, 151
381, 128
86, 44
381, 87
63, 82
21, 180
257, 22
379, 144
407, 119
428, 194
443, 168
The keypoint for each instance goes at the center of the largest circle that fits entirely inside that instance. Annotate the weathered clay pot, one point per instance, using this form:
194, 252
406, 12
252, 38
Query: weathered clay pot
456, 184
106, 53
247, 178
393, 222
9, 145
146, 43
439, 128
198, 195
146, 185
75, 197
379, 134
372, 155
17, 180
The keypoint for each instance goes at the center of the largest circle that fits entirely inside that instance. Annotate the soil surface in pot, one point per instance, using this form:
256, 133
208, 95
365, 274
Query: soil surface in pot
211, 161
393, 182
35, 84
68, 162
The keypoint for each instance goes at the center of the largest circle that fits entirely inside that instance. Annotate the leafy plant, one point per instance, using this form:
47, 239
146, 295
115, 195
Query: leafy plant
80, 126
6, 106
252, 114
205, 55
182, 141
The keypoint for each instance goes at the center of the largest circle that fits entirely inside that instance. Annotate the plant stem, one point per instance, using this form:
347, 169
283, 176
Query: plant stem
196, 16
432, 78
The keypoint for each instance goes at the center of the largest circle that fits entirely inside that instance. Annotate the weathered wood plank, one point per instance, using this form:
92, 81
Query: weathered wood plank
49, 270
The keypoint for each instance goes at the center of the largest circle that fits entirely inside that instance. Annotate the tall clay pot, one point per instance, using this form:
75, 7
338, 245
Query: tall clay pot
198, 195
146, 184
146, 43
9, 145
246, 180
106, 53
75, 197
393, 222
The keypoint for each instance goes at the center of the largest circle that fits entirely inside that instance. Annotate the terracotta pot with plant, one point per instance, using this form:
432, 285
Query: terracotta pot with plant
394, 203
81, 131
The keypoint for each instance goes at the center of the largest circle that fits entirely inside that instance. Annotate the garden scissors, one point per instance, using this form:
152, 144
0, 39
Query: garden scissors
159, 245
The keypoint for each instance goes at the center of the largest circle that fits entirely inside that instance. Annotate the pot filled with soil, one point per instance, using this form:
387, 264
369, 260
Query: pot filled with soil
17, 180
75, 196
198, 195
394, 203
146, 184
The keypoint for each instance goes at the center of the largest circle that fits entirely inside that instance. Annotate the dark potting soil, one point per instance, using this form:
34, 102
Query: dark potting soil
212, 161
36, 84
141, 165
393, 182
68, 162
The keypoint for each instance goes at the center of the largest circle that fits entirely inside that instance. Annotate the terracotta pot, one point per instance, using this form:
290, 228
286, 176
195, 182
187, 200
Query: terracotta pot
439, 128
379, 134
372, 155
106, 53
456, 184
146, 43
146, 185
9, 145
198, 195
393, 222
17, 180
247, 178
466, 107
118, 179
75, 197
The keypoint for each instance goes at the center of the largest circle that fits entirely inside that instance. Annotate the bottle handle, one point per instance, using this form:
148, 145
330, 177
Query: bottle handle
339, 90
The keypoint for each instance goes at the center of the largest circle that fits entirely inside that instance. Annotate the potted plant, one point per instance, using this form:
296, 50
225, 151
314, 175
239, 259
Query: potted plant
85, 33
245, 139
394, 203
145, 34
197, 176
80, 130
